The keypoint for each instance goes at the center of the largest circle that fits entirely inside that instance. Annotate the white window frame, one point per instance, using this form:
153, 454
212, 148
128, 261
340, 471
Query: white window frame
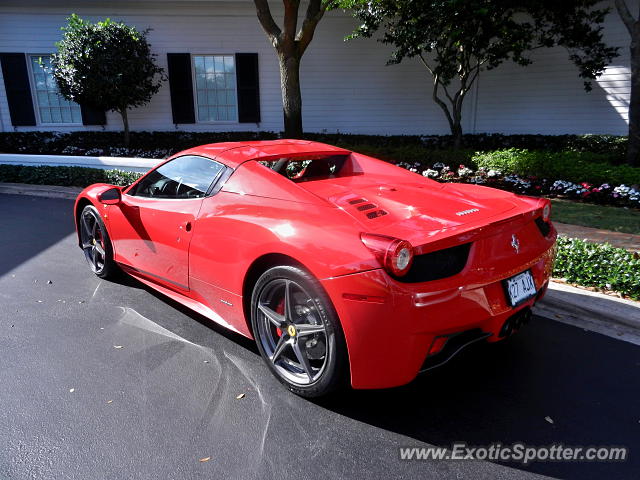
34, 96
195, 89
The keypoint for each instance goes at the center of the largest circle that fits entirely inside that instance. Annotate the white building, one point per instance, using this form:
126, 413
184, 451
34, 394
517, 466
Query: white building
346, 85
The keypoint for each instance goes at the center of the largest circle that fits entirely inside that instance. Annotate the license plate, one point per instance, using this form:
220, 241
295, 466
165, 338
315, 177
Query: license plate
520, 288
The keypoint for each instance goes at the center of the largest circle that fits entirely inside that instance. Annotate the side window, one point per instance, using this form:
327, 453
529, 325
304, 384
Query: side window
183, 177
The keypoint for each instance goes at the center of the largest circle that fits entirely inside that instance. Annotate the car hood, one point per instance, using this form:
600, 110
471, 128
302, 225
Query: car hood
417, 210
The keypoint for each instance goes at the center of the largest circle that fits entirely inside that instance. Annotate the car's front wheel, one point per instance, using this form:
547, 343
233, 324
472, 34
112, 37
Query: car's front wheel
297, 331
96, 244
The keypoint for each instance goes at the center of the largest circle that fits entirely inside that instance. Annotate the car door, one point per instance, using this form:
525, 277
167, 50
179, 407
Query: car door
154, 222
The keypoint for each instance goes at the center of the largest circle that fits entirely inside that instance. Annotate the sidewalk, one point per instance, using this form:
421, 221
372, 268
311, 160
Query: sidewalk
627, 241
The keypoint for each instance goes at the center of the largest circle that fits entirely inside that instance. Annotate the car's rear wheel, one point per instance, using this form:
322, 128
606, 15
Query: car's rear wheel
297, 331
96, 244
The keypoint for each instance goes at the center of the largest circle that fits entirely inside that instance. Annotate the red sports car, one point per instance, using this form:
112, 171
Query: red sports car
340, 266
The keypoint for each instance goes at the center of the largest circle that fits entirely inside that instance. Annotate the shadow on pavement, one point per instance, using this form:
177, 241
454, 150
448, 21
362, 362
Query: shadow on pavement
587, 384
21, 215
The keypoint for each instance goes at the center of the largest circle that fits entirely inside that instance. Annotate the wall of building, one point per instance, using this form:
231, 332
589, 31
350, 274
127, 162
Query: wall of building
346, 85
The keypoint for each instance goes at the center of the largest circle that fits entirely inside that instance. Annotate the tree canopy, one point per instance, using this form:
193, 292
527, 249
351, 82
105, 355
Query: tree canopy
106, 65
457, 39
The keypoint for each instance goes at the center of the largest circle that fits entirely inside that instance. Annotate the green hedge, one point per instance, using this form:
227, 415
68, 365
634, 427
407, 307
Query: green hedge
65, 176
395, 147
598, 265
571, 166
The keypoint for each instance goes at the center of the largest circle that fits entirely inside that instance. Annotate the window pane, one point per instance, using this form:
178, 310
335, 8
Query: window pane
76, 115
184, 177
219, 64
66, 114
229, 64
54, 99
53, 108
231, 97
43, 99
216, 87
45, 115
208, 62
221, 98
199, 61
56, 117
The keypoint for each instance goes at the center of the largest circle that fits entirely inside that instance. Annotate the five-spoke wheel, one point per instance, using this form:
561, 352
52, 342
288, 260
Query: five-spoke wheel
95, 242
297, 331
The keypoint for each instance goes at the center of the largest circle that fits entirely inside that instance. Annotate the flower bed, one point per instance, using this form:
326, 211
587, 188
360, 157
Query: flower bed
604, 194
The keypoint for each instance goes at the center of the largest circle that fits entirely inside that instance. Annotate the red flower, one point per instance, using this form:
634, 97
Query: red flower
538, 187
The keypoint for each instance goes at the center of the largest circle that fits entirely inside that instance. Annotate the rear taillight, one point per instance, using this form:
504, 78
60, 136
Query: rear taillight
394, 255
546, 212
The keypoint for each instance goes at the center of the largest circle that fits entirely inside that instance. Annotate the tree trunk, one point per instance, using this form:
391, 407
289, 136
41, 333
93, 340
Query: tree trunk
291, 96
125, 123
456, 130
633, 147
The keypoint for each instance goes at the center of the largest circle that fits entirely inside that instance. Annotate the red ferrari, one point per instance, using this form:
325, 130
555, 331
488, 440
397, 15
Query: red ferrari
340, 266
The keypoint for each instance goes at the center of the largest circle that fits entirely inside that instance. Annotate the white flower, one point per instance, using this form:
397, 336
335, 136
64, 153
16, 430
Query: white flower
430, 173
464, 172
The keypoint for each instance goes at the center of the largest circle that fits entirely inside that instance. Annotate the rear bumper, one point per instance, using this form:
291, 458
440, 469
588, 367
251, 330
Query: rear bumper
390, 326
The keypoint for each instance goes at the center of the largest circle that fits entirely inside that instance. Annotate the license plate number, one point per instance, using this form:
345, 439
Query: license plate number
520, 288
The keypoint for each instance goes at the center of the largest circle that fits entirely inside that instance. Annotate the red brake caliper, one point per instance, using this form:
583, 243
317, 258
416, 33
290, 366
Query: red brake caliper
280, 310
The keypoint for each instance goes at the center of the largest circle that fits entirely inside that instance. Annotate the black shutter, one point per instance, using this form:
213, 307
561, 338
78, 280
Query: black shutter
16, 83
92, 115
181, 87
248, 84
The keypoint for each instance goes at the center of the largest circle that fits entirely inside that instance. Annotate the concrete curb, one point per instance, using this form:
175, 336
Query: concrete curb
131, 164
50, 191
565, 299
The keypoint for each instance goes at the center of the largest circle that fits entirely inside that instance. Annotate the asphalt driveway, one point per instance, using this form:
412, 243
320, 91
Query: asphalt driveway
102, 380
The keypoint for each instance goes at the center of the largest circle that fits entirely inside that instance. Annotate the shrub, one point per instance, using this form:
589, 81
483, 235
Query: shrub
598, 265
570, 166
65, 176
393, 147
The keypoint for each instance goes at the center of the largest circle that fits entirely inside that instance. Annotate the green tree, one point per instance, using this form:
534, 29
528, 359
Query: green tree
455, 40
290, 44
633, 27
106, 65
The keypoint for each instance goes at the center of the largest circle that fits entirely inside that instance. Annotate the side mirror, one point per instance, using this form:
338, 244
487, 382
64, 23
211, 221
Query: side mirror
110, 197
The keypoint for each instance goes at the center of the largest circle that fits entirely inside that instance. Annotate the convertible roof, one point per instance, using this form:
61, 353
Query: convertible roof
233, 154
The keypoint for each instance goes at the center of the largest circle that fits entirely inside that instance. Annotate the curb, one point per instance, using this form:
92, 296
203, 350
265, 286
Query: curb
598, 307
131, 164
50, 191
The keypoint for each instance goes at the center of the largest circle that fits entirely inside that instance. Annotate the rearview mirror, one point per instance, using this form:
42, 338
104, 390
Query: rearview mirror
110, 197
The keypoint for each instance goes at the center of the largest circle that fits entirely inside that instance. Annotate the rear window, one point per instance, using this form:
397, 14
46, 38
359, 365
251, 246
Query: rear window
310, 167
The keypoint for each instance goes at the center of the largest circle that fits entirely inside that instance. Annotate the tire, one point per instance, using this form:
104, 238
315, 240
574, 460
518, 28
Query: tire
309, 329
96, 243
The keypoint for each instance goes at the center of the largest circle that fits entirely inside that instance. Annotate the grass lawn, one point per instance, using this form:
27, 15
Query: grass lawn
597, 216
